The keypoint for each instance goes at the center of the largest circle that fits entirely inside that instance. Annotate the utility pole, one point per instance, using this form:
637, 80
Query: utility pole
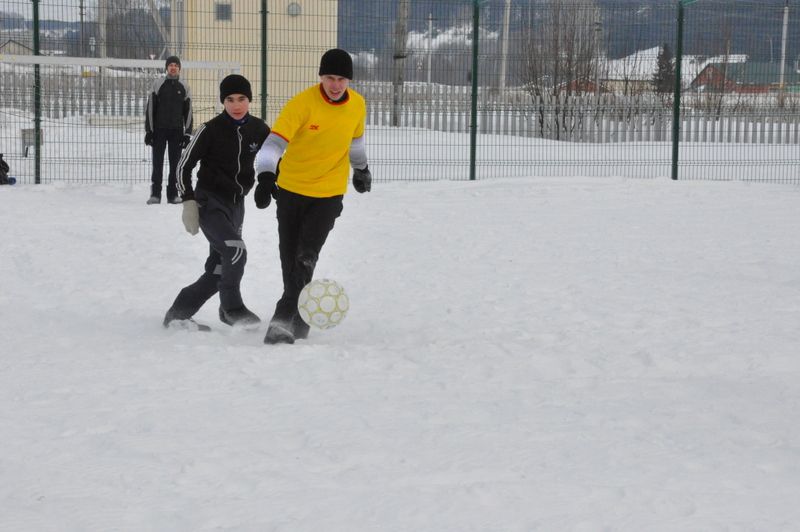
504, 45
102, 22
597, 30
399, 63
783, 43
430, 44
82, 14
181, 16
173, 27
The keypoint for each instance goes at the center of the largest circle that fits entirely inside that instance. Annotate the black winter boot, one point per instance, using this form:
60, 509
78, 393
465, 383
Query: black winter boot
238, 316
300, 328
155, 195
176, 320
279, 333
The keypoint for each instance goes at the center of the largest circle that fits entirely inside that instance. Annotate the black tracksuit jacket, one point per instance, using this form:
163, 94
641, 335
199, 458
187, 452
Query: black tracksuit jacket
226, 150
169, 106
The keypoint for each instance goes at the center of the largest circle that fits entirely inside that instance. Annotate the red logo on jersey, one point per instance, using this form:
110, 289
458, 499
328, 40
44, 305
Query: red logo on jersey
314, 127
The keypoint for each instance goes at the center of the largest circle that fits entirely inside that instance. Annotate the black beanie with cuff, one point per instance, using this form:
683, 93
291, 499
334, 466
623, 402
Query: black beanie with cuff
336, 62
235, 84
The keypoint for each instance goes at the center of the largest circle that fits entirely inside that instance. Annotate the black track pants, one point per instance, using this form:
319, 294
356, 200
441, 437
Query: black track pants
303, 226
221, 223
169, 140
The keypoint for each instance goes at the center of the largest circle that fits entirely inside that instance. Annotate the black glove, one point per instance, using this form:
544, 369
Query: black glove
362, 180
265, 190
148, 138
185, 141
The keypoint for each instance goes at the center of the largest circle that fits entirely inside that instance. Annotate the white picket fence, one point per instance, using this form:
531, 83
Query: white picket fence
607, 118
64, 96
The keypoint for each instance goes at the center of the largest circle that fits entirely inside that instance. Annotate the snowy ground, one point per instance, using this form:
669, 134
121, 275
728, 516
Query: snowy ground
521, 354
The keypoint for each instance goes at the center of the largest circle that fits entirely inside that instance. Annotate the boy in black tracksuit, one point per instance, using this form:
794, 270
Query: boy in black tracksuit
226, 147
167, 125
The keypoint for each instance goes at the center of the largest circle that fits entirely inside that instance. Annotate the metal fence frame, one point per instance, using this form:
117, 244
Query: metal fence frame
482, 130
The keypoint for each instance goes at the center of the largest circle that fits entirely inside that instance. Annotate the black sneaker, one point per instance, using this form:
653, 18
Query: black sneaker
238, 316
300, 328
279, 333
176, 200
153, 200
172, 320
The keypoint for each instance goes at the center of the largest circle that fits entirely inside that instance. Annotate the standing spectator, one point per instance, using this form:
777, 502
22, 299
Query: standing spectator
226, 147
167, 125
319, 134
4, 168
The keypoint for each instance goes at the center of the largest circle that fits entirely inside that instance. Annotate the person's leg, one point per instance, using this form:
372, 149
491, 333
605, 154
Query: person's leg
289, 211
303, 226
174, 138
159, 145
318, 222
194, 296
221, 223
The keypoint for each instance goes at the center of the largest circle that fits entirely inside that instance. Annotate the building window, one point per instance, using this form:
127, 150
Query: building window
224, 12
294, 9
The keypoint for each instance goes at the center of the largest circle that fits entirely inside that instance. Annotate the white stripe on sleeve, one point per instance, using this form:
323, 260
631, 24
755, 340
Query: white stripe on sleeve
270, 153
358, 153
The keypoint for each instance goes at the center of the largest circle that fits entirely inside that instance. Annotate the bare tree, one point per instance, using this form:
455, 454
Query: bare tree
560, 56
133, 34
399, 60
715, 100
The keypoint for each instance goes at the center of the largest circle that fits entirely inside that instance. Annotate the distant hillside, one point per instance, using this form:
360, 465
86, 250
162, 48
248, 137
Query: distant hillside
711, 27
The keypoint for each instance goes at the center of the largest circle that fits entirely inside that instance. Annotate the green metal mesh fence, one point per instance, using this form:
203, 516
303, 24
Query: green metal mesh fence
549, 88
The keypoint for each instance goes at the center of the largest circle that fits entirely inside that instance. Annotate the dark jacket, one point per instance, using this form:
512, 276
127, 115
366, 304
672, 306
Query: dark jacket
226, 150
169, 106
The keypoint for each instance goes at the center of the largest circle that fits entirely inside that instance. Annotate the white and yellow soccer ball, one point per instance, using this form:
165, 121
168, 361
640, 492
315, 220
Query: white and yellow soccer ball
323, 303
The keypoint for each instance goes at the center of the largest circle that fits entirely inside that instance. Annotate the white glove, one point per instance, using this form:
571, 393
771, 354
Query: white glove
191, 216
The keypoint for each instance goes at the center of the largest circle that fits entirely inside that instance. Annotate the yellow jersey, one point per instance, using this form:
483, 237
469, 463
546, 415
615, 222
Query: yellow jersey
319, 132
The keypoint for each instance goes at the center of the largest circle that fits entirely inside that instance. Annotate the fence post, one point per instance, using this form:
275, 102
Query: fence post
473, 126
37, 98
676, 108
263, 59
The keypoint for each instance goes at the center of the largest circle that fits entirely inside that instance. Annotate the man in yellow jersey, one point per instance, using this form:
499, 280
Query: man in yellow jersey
318, 135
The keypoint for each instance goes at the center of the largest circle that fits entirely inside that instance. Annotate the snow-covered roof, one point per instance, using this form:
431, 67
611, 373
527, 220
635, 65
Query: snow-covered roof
642, 64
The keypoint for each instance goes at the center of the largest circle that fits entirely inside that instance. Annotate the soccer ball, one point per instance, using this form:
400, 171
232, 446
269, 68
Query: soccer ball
323, 303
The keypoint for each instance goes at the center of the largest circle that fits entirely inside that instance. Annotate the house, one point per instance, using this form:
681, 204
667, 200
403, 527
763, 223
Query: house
747, 78
13, 47
220, 30
580, 86
633, 74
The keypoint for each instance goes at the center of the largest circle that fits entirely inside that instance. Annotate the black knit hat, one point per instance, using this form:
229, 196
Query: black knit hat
336, 62
235, 84
172, 59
